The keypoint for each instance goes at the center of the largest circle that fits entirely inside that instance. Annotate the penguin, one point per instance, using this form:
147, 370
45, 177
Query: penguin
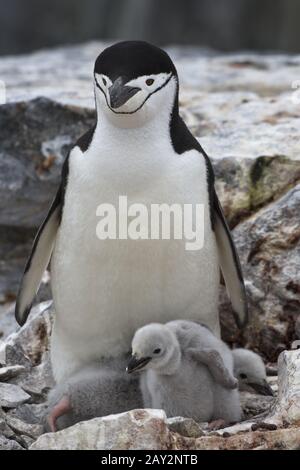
250, 371
104, 290
94, 391
189, 374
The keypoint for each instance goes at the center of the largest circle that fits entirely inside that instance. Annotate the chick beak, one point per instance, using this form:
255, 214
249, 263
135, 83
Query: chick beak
262, 387
137, 364
119, 93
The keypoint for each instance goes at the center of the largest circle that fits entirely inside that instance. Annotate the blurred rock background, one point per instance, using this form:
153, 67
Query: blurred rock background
220, 24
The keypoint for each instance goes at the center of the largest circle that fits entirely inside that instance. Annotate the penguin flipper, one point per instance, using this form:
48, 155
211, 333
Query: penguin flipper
213, 360
38, 261
230, 265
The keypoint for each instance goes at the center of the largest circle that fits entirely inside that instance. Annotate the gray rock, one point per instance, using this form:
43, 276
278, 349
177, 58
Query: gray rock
137, 429
28, 441
29, 344
186, 427
31, 413
287, 406
14, 354
10, 372
9, 444
245, 185
253, 404
38, 381
22, 428
7, 319
5, 430
12, 396
37, 137
269, 248
148, 430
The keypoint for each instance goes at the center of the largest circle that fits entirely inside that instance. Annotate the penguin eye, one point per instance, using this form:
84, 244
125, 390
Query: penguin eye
157, 351
149, 81
243, 376
104, 81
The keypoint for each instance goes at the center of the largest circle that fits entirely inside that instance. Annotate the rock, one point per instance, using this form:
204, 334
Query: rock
15, 244
148, 429
237, 428
244, 185
12, 396
269, 247
263, 425
37, 137
5, 430
9, 444
241, 123
63, 74
14, 354
7, 373
28, 441
7, 319
29, 344
281, 439
21, 428
38, 381
31, 413
137, 429
253, 404
186, 427
287, 406
272, 370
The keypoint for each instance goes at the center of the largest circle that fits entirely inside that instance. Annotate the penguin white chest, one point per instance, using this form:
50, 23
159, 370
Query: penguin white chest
104, 290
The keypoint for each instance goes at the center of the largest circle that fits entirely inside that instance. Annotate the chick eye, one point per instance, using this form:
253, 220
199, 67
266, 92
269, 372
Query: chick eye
157, 351
243, 376
104, 81
149, 81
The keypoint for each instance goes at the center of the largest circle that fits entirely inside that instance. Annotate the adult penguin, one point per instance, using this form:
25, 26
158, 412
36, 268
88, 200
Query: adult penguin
104, 290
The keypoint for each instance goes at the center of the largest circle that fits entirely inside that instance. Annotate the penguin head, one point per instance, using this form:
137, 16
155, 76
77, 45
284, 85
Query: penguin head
250, 371
133, 82
154, 346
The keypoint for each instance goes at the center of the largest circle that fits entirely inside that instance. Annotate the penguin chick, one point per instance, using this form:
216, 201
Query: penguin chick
92, 392
180, 376
250, 371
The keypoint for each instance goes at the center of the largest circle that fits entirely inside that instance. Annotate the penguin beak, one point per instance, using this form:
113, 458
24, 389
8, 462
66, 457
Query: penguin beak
119, 93
262, 387
137, 364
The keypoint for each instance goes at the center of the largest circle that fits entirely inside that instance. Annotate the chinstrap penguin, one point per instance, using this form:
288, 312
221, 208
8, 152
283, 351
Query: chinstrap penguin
250, 371
186, 371
104, 290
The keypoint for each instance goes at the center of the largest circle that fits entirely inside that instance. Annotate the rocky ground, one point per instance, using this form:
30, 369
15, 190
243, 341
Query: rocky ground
247, 116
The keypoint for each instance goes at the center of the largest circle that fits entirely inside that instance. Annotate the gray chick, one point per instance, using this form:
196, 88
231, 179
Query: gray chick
92, 392
188, 371
250, 371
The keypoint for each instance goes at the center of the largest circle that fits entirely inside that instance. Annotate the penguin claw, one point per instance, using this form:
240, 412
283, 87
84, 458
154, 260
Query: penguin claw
61, 408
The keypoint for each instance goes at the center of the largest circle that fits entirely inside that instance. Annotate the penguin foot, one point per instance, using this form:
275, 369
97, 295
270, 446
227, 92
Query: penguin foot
60, 409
